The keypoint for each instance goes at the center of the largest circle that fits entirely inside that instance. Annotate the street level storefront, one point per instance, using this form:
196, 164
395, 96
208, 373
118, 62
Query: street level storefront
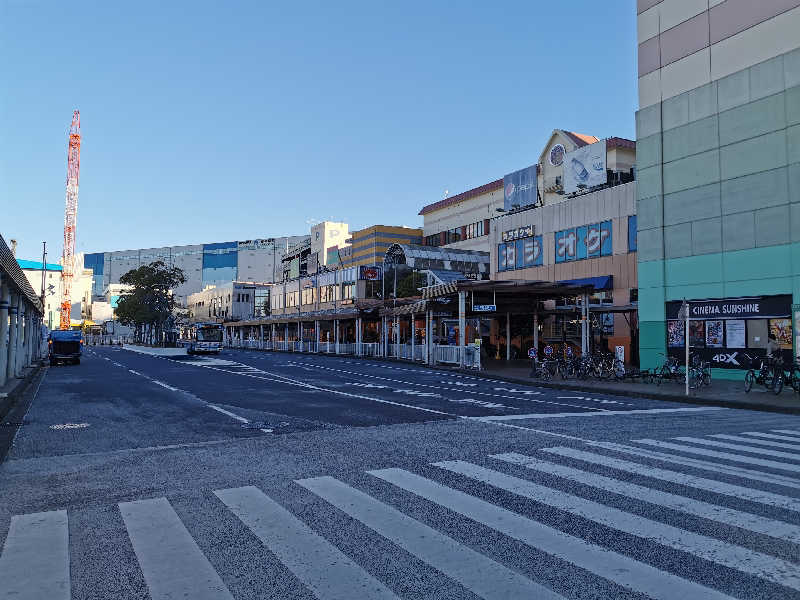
588, 238
732, 333
449, 325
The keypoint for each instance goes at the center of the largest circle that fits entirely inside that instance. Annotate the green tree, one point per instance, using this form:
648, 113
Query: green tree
149, 302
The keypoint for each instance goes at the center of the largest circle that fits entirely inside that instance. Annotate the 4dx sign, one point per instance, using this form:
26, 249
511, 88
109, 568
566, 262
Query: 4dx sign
724, 358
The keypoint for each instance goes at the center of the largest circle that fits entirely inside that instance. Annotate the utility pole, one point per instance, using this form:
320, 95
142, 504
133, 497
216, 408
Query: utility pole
44, 269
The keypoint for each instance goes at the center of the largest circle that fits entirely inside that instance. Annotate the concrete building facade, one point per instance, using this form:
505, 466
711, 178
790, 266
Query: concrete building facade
230, 302
368, 246
204, 265
718, 140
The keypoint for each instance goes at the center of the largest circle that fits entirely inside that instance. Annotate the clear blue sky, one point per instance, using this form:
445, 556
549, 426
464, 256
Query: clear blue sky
207, 122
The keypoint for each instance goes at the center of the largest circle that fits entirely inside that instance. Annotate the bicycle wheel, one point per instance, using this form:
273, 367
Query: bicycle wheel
749, 378
707, 377
662, 375
619, 370
777, 381
695, 378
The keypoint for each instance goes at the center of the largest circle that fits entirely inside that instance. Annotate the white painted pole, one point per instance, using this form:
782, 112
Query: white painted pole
686, 328
508, 336
412, 336
462, 326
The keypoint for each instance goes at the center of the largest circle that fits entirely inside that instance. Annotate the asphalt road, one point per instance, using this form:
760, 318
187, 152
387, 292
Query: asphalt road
268, 475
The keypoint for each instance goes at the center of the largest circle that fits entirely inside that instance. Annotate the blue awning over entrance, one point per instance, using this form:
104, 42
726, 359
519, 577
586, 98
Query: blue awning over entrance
606, 282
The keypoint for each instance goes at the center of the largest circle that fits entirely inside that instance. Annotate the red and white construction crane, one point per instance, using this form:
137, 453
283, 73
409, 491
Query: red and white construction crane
70, 217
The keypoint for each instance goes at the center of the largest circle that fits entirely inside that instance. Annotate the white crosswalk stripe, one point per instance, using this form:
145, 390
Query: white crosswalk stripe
35, 560
703, 465
476, 572
771, 436
723, 455
172, 564
710, 485
789, 431
713, 512
610, 565
749, 440
729, 555
319, 565
739, 447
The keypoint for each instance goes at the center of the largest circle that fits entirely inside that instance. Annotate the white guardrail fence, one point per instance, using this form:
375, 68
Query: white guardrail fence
441, 354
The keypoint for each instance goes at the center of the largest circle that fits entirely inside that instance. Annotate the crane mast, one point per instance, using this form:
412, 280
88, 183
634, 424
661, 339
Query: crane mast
70, 217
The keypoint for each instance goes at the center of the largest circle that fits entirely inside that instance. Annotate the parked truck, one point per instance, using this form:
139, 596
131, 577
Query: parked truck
64, 346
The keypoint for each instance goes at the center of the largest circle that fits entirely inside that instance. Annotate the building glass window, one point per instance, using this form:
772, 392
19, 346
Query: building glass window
632, 229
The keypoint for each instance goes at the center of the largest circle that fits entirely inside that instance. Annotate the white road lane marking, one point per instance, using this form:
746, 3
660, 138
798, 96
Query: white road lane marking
771, 464
741, 438
738, 447
229, 413
35, 559
476, 572
771, 436
789, 431
614, 413
704, 465
702, 483
622, 570
172, 563
164, 385
322, 567
286, 380
729, 555
526, 397
705, 510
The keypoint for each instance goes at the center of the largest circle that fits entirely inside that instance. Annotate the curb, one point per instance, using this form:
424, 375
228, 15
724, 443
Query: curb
789, 410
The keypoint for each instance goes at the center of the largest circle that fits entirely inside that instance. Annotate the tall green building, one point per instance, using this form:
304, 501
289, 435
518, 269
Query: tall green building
718, 182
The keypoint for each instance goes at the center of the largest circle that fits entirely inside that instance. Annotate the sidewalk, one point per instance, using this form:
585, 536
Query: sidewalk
729, 394
155, 351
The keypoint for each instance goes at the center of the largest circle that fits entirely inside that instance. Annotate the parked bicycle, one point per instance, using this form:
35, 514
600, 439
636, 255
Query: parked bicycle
699, 372
669, 371
770, 374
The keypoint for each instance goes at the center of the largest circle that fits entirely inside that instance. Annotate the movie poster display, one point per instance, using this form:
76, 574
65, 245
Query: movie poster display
697, 335
675, 334
714, 334
782, 330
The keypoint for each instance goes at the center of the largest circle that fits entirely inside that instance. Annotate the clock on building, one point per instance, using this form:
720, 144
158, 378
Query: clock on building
557, 155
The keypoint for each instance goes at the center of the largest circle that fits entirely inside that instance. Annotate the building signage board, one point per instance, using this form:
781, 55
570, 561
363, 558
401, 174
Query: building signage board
761, 307
369, 273
256, 244
519, 188
585, 167
517, 234
588, 241
484, 308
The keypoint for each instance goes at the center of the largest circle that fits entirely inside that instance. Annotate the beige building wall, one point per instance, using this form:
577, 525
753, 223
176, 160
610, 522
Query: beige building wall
459, 213
685, 44
326, 235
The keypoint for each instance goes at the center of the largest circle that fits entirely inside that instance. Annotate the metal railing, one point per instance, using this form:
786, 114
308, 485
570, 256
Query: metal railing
468, 356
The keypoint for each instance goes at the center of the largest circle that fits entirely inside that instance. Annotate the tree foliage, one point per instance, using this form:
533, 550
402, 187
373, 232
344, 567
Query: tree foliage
149, 303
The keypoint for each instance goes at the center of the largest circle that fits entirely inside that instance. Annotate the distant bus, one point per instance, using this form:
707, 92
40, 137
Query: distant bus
202, 338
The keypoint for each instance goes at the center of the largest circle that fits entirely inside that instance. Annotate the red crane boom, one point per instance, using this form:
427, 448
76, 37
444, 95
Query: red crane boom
70, 217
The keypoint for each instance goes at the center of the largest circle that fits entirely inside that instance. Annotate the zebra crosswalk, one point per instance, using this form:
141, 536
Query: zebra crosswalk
709, 515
